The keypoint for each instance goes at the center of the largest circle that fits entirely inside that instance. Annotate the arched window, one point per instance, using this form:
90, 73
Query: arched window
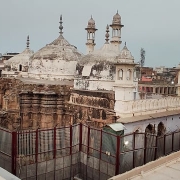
161, 129
120, 74
150, 129
135, 74
128, 75
103, 115
20, 67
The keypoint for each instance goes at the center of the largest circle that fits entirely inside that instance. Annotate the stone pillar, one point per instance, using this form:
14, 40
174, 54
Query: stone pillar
1, 98
36, 116
25, 110
48, 110
60, 107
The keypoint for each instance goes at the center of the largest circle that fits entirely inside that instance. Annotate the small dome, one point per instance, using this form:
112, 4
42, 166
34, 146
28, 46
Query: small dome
91, 23
116, 19
20, 59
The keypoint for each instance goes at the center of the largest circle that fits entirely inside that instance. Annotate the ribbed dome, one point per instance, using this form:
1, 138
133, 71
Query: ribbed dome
20, 59
106, 54
116, 19
58, 58
99, 64
91, 23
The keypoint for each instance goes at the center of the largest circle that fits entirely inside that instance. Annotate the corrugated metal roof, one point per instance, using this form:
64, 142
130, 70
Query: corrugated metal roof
117, 126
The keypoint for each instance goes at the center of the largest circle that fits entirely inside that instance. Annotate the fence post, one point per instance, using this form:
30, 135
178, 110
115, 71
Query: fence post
88, 143
134, 149
71, 140
36, 152
164, 148
155, 154
117, 154
80, 137
100, 152
54, 154
14, 151
172, 141
145, 146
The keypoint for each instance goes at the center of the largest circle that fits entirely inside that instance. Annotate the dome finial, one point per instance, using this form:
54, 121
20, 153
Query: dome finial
27, 43
61, 26
107, 34
117, 12
125, 43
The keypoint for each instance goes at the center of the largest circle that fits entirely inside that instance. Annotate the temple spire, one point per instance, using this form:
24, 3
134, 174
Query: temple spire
107, 34
61, 26
27, 43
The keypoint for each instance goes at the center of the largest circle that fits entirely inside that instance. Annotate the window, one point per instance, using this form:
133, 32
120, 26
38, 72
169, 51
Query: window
128, 75
120, 74
20, 67
135, 74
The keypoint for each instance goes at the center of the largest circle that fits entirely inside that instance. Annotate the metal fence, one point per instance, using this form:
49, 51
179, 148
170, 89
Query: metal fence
81, 151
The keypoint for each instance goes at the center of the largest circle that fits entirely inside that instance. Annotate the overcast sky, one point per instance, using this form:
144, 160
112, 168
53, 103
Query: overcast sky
151, 24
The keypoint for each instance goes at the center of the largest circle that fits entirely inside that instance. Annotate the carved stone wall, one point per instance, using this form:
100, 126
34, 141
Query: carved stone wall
31, 106
91, 108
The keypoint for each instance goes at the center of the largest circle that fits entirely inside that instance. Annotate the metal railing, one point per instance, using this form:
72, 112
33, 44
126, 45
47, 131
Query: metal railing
80, 151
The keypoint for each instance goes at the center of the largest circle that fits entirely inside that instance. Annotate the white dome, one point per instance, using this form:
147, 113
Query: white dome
116, 19
91, 23
56, 60
100, 61
20, 59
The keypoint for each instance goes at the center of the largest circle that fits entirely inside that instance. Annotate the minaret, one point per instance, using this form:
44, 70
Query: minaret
116, 31
60, 26
91, 29
27, 43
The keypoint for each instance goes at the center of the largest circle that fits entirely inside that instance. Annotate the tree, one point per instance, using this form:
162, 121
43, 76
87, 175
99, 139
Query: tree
142, 60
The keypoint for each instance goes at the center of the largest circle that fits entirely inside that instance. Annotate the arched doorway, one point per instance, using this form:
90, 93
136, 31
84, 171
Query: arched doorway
161, 129
150, 129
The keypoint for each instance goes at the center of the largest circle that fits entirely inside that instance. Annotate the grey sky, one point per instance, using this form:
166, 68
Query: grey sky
151, 24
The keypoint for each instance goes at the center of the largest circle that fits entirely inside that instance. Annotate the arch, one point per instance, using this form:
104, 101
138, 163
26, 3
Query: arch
128, 74
120, 74
20, 67
111, 104
134, 74
161, 129
149, 129
103, 115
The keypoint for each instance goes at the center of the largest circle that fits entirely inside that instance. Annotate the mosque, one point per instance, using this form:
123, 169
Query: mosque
59, 86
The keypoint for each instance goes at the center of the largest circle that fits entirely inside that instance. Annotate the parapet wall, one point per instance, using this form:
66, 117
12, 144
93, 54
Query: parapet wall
146, 106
